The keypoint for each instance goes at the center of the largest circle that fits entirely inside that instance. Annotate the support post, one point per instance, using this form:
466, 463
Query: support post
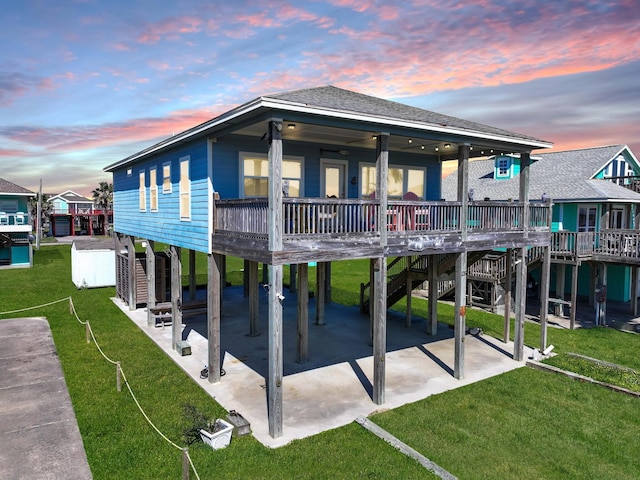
459, 327
274, 384
151, 282
507, 296
192, 275
327, 283
379, 330
214, 277
131, 260
176, 296
408, 291
254, 297
634, 291
432, 317
521, 303
545, 276
574, 295
382, 172
302, 350
320, 291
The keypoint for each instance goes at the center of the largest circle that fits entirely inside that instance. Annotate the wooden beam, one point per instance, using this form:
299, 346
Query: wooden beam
131, 261
432, 316
379, 329
275, 185
634, 291
214, 314
409, 290
521, 304
320, 292
525, 162
192, 274
302, 350
382, 172
274, 381
507, 296
545, 277
372, 295
254, 298
151, 282
176, 296
460, 311
574, 296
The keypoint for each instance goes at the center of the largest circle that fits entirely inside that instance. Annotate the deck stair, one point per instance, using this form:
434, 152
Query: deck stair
413, 269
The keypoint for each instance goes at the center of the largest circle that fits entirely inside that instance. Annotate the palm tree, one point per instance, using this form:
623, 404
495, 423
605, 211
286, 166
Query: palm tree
45, 210
103, 199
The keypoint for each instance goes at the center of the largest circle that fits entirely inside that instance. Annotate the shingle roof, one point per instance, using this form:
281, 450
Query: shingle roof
11, 188
72, 197
344, 104
338, 99
563, 176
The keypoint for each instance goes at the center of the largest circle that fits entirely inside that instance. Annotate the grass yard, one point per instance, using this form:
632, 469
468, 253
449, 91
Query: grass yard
522, 424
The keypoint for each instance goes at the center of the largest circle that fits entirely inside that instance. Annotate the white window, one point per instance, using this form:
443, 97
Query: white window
255, 175
587, 219
142, 192
153, 190
401, 180
166, 178
185, 190
504, 165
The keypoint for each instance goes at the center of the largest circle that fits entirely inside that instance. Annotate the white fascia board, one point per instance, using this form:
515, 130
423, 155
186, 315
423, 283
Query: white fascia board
271, 103
263, 102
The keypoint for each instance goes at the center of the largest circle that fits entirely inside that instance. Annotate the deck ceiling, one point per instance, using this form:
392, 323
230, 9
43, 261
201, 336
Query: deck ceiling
341, 139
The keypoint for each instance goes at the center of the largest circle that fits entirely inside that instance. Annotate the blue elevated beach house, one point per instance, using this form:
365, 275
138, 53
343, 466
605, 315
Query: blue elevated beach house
320, 175
15, 225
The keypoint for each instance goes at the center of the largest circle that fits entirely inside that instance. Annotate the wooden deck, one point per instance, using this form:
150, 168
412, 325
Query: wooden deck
612, 246
333, 229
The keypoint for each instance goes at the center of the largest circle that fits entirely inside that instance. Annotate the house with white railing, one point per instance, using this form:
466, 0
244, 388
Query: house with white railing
74, 214
317, 176
15, 225
595, 237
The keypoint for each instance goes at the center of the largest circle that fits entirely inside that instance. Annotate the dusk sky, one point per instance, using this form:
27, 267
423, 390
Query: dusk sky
86, 83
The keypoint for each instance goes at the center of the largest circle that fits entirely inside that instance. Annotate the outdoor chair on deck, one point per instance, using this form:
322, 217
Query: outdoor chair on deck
4, 218
20, 218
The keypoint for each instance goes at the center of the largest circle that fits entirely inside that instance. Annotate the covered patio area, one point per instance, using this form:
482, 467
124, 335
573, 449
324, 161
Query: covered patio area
336, 384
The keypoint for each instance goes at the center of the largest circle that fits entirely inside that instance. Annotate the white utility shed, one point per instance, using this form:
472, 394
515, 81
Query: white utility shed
93, 263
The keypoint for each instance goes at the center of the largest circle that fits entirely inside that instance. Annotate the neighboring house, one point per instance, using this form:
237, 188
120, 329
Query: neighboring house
595, 240
316, 175
74, 214
15, 225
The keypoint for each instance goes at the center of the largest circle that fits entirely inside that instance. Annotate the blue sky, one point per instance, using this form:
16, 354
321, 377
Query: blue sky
85, 83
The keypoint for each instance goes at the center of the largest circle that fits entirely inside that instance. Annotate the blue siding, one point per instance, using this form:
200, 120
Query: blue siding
165, 224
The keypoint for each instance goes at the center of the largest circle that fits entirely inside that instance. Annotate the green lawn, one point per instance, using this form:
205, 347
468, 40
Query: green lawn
522, 424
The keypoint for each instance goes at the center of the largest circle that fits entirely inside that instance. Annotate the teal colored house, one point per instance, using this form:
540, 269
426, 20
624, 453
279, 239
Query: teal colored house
15, 226
317, 175
595, 225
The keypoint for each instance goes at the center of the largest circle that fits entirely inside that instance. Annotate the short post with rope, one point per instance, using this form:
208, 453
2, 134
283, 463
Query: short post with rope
118, 377
87, 331
185, 463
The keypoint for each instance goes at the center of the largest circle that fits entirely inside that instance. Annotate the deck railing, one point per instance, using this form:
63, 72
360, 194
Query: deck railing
612, 243
304, 217
17, 218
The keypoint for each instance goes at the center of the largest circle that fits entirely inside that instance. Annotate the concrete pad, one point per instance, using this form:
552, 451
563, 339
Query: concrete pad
38, 428
335, 385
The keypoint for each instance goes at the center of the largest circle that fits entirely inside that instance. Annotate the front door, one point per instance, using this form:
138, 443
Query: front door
334, 179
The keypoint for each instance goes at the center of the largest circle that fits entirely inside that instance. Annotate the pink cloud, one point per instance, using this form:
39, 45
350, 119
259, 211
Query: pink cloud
170, 29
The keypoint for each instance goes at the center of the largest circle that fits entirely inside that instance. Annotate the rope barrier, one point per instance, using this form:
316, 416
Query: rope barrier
36, 307
73, 311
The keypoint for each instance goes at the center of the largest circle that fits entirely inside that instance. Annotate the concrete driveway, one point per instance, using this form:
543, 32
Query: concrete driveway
38, 429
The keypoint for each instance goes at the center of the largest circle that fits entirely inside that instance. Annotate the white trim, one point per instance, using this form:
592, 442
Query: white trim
271, 103
184, 189
328, 161
142, 190
170, 188
285, 158
153, 188
404, 168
